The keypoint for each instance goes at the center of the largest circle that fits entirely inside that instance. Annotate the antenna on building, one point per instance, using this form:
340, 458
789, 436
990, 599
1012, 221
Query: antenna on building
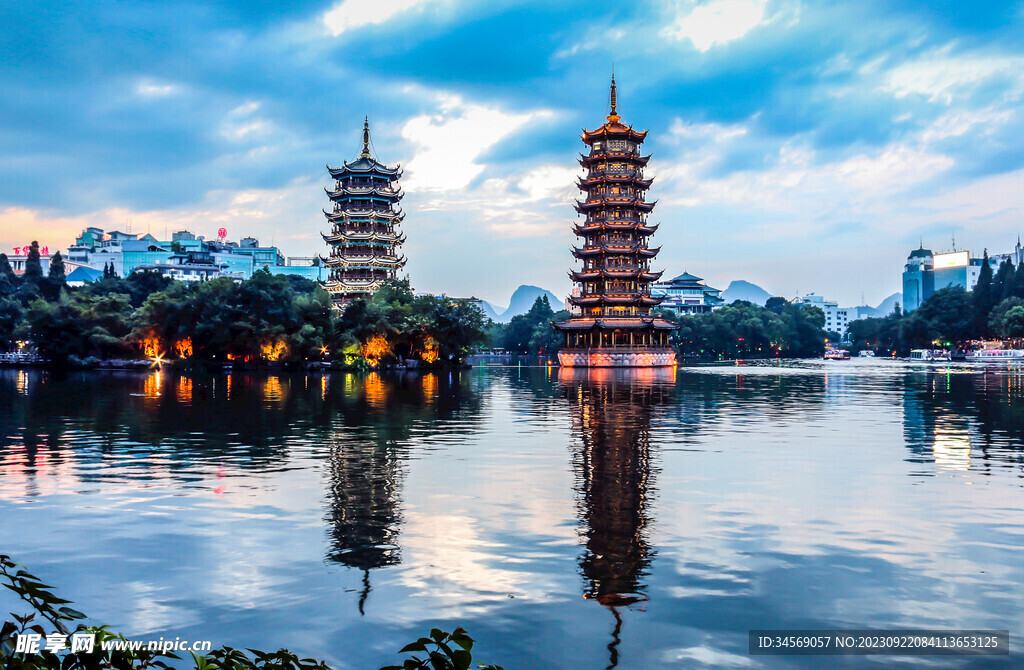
954, 241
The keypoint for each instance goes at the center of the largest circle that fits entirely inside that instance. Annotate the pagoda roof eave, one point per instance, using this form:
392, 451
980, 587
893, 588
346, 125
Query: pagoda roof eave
364, 166
613, 129
610, 323
364, 193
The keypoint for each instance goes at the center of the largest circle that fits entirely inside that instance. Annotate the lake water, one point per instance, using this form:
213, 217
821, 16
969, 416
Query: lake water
566, 520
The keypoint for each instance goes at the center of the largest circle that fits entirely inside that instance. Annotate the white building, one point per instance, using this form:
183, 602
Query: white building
837, 319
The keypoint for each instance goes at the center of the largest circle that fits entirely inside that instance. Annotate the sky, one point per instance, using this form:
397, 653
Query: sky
802, 146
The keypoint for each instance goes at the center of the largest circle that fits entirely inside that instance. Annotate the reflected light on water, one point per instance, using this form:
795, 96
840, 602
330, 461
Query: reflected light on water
952, 446
608, 517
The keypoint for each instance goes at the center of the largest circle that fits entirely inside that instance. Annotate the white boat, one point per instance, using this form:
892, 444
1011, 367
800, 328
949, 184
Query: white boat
930, 355
866, 353
837, 355
995, 355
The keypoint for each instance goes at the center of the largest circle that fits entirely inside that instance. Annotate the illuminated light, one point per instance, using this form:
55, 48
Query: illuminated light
431, 351
183, 348
274, 351
151, 387
376, 348
954, 259
150, 346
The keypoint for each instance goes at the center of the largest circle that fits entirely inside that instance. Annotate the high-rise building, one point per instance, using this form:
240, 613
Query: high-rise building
927, 272
365, 219
614, 327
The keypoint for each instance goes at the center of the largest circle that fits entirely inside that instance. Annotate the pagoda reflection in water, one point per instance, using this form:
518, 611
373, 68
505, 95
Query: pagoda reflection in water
365, 477
611, 411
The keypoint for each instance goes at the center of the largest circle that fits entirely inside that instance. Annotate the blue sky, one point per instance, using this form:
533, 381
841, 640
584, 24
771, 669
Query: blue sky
804, 146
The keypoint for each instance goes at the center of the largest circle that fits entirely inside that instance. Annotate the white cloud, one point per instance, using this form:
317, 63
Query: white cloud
718, 22
448, 144
350, 14
943, 77
151, 89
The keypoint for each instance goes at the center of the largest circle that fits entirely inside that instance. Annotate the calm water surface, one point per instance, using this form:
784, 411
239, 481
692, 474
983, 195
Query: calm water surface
631, 520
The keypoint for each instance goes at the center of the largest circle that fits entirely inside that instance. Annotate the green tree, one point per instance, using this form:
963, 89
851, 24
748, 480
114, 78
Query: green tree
946, 316
1002, 283
458, 327
1011, 325
983, 297
998, 323
56, 328
519, 332
11, 314
8, 280
33, 264
57, 273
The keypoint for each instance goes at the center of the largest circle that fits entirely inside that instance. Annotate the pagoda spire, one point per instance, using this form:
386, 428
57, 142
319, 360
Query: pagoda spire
613, 117
366, 138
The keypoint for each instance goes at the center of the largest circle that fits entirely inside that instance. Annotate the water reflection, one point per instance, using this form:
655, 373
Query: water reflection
611, 416
959, 420
782, 497
378, 418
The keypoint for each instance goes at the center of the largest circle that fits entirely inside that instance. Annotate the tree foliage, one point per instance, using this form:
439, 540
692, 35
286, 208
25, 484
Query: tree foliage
744, 330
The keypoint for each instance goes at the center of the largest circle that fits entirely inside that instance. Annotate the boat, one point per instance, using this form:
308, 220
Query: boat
930, 356
837, 355
866, 353
994, 355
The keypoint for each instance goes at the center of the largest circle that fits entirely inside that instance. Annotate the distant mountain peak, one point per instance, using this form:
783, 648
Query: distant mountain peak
520, 303
743, 290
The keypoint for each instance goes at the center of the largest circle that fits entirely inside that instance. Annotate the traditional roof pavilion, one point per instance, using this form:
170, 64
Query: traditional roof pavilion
613, 325
365, 236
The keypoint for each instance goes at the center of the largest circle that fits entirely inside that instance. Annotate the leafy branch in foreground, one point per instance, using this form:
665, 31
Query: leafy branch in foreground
445, 651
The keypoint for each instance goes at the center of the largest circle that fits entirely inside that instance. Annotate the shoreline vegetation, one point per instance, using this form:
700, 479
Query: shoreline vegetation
267, 320
275, 321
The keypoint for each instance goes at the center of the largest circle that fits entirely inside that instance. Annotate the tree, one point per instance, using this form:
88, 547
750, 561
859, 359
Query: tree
5, 267
776, 304
57, 268
11, 314
518, 334
999, 324
946, 315
1011, 325
983, 298
8, 281
1002, 284
457, 327
1017, 285
33, 264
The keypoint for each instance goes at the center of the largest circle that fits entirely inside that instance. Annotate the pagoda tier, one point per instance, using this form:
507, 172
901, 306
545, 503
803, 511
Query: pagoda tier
612, 322
613, 249
612, 162
604, 203
367, 262
364, 194
365, 216
614, 226
364, 237
635, 274
613, 179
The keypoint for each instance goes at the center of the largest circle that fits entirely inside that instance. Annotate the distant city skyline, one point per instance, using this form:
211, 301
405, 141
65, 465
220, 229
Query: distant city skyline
802, 147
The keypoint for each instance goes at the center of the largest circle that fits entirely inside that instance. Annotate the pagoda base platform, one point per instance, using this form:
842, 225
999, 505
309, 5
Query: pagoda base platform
617, 358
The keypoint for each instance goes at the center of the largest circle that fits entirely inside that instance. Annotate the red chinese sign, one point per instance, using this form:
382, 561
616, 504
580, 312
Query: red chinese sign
23, 251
